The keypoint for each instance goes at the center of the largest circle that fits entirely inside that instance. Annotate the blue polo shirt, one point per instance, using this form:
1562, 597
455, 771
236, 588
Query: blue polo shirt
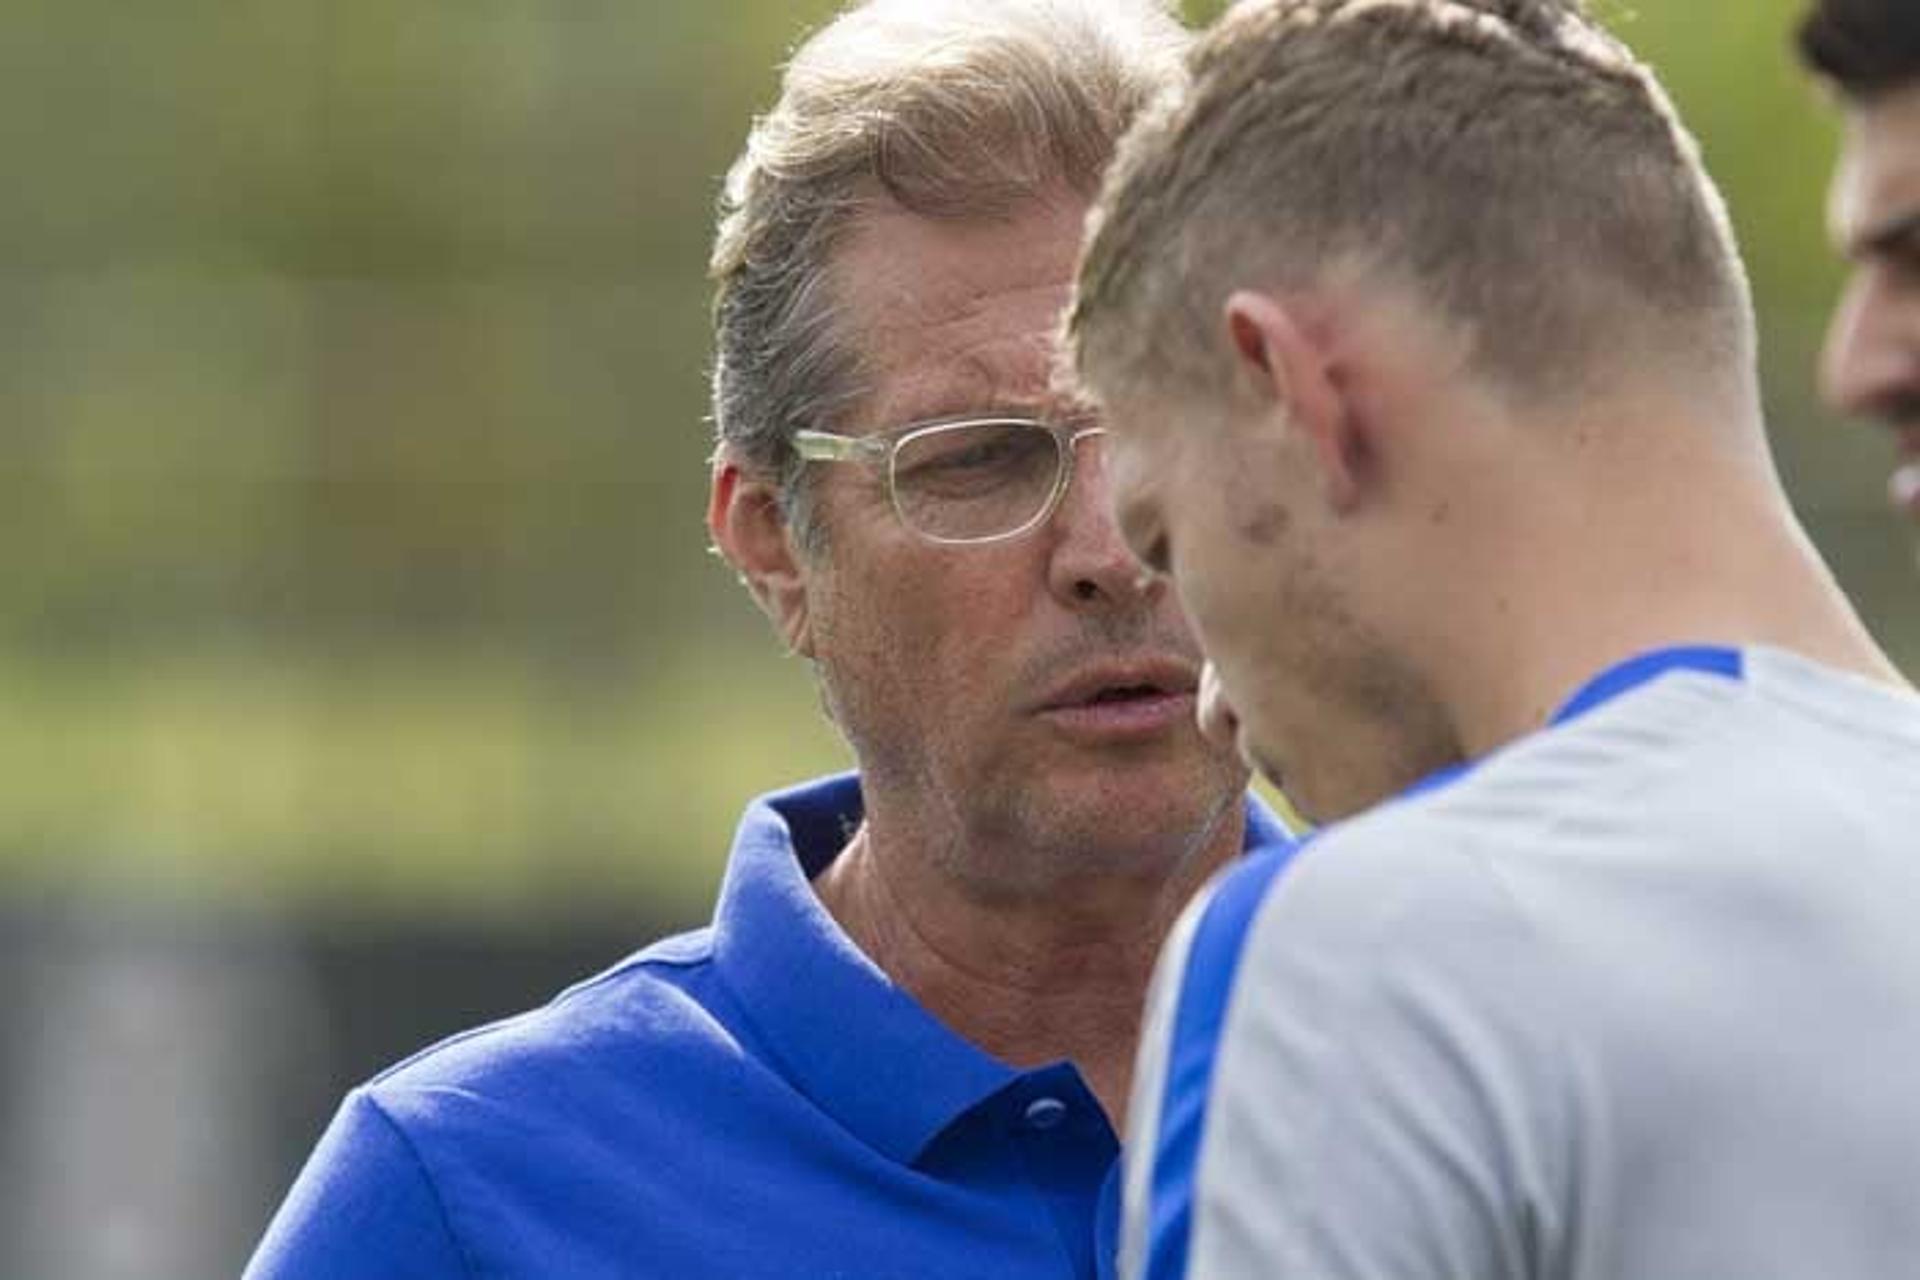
751, 1099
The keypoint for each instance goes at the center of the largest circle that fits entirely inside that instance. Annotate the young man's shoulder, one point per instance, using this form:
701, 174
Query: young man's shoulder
1692, 791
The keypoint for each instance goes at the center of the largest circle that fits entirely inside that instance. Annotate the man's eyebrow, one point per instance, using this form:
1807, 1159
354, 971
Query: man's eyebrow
1893, 238
973, 389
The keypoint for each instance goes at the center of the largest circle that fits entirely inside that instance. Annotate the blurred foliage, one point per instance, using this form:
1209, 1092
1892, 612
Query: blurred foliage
353, 387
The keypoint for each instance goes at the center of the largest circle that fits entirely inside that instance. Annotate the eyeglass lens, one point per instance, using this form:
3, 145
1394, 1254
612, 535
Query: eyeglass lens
976, 480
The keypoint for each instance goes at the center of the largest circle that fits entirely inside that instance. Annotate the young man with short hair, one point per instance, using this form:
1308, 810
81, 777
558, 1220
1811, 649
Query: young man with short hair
1428, 362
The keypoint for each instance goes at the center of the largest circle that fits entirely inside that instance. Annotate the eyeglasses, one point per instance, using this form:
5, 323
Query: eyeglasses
965, 482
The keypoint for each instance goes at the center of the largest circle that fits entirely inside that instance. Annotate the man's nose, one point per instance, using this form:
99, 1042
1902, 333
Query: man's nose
1091, 563
1871, 360
1219, 722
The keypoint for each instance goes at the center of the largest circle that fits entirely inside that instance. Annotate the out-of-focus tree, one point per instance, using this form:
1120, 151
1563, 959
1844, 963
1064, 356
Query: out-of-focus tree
353, 388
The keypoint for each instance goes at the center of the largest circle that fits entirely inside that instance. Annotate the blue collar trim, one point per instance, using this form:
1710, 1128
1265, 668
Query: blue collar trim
1621, 678
1636, 671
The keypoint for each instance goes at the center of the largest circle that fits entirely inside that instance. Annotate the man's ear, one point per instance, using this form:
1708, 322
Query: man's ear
1292, 366
750, 531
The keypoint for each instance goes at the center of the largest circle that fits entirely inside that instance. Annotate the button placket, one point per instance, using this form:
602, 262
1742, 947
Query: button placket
1044, 1113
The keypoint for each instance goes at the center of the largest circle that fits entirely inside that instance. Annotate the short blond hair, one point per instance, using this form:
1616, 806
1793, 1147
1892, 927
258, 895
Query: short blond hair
961, 109
1508, 159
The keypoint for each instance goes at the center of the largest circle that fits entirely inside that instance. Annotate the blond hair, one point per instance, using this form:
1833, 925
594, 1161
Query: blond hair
1507, 159
948, 108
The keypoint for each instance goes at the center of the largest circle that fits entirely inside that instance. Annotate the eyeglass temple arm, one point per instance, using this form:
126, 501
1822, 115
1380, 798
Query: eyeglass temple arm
825, 446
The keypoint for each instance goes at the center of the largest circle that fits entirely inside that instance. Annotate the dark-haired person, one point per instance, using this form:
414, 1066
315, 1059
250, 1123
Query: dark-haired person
902, 1049
1428, 363
1869, 51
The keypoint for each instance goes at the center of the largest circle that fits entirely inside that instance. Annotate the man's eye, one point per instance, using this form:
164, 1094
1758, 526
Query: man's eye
988, 458
1896, 251
1155, 556
1141, 528
970, 457
1904, 262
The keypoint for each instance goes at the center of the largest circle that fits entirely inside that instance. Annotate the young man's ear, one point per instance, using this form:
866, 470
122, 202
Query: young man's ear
750, 531
1291, 368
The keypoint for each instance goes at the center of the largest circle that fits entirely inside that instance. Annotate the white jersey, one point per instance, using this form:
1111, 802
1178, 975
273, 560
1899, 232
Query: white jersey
1635, 998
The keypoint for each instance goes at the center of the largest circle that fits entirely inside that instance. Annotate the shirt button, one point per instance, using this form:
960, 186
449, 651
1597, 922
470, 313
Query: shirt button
1045, 1113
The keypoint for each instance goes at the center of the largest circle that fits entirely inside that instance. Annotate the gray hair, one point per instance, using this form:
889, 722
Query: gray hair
962, 109
1507, 158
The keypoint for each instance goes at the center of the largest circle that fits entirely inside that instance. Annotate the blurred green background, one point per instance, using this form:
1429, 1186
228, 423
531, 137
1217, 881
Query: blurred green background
352, 371
363, 671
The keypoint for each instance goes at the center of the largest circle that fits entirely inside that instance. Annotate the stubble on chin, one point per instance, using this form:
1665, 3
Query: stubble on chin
1372, 726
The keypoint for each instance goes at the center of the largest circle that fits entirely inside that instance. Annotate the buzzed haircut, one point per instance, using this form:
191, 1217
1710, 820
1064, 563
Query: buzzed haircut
1508, 160
1866, 48
957, 109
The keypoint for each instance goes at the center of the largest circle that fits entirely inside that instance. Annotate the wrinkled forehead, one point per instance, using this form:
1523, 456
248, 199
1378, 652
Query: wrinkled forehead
1877, 181
949, 316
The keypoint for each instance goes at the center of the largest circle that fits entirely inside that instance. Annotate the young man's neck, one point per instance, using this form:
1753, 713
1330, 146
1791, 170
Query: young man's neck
1734, 569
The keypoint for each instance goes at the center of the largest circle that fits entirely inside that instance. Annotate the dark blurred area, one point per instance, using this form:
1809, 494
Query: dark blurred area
177, 1066
363, 673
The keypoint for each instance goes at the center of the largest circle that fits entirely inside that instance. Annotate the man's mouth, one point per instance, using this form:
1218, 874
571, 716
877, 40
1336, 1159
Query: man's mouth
1121, 681
1123, 700
1125, 693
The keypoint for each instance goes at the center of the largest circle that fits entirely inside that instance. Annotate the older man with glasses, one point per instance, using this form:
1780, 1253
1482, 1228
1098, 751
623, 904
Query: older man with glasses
903, 1045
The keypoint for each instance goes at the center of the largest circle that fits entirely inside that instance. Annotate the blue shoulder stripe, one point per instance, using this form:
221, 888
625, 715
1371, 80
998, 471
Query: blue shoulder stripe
1206, 984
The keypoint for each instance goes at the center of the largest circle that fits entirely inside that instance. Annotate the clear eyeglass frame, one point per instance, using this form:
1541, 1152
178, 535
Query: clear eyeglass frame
884, 449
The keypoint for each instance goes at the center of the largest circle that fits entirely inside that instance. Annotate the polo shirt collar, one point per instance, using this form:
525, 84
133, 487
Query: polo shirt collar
862, 1048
